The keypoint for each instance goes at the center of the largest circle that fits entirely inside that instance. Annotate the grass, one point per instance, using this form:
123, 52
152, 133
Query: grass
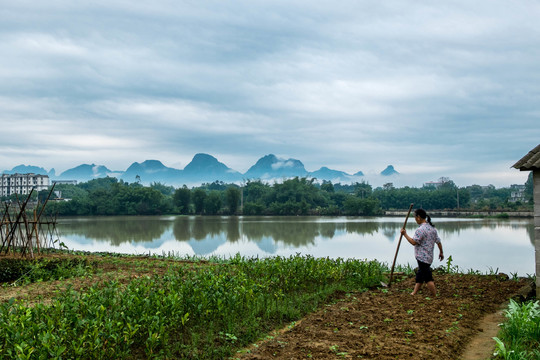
520, 334
23, 271
207, 311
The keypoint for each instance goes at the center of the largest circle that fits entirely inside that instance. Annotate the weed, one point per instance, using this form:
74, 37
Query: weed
449, 267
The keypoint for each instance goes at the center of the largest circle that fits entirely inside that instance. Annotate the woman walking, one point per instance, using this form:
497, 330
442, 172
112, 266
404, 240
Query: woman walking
424, 240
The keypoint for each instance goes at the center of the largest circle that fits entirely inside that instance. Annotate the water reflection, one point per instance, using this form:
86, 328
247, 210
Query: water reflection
115, 230
293, 231
504, 240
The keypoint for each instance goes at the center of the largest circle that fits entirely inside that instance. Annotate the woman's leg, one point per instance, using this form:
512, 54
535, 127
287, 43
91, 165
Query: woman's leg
431, 287
424, 275
416, 288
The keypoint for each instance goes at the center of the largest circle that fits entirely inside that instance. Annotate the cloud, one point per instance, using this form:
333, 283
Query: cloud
434, 89
280, 164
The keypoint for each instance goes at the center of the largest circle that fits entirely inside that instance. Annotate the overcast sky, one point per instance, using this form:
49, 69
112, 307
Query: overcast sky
434, 88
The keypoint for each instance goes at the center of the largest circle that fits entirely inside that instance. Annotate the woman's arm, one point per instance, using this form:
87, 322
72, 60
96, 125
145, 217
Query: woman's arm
409, 239
441, 255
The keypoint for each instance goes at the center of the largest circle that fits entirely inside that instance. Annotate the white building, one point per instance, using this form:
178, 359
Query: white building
22, 184
518, 193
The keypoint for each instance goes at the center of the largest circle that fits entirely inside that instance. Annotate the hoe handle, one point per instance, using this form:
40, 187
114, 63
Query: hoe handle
399, 243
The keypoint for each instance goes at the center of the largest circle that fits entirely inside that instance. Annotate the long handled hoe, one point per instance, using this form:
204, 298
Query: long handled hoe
397, 249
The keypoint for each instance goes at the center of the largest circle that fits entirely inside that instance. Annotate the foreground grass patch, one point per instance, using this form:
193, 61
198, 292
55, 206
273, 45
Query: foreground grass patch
520, 333
191, 312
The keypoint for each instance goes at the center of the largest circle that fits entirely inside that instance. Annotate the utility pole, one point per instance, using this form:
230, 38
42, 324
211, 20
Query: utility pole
242, 198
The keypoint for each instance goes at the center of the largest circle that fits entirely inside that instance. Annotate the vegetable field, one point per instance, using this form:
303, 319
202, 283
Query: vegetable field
111, 307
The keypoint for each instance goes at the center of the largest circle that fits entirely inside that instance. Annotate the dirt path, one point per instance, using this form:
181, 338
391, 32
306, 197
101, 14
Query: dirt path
392, 324
482, 346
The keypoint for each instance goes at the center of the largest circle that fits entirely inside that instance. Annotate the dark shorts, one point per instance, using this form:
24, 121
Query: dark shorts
424, 272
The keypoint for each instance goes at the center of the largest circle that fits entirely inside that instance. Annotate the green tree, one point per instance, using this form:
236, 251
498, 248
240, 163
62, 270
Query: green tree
199, 197
232, 198
149, 201
162, 188
213, 203
102, 202
256, 192
464, 198
529, 188
100, 183
43, 195
476, 192
251, 208
182, 199
70, 191
356, 206
338, 199
327, 186
363, 190
216, 185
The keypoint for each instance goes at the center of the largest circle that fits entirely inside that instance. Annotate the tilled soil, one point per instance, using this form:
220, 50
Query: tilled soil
389, 323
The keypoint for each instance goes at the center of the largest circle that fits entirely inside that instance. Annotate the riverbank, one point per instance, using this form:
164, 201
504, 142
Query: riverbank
466, 214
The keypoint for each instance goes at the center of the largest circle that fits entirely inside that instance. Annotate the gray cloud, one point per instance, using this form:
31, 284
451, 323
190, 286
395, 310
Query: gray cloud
435, 89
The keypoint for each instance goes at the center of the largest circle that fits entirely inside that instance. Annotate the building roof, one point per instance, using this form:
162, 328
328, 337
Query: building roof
531, 161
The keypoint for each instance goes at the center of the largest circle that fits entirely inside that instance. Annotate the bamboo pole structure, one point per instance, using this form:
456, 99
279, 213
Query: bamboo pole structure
25, 232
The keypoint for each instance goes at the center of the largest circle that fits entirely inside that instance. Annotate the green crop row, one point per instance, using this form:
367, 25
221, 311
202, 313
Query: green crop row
520, 334
203, 312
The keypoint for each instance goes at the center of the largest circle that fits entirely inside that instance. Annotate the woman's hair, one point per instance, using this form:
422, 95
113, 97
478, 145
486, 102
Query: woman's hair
422, 214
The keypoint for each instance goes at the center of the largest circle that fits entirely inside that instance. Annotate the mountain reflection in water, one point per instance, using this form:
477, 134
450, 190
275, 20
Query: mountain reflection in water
263, 236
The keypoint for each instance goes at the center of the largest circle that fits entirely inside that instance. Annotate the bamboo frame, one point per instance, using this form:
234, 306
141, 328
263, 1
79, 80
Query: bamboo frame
28, 234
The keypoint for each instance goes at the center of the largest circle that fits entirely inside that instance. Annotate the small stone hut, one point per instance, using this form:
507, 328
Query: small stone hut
531, 162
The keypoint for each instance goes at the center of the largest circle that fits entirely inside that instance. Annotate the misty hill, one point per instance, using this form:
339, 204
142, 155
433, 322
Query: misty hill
85, 172
151, 171
25, 169
206, 168
270, 167
325, 173
389, 171
203, 168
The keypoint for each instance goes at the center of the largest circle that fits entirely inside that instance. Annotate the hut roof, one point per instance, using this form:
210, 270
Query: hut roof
531, 161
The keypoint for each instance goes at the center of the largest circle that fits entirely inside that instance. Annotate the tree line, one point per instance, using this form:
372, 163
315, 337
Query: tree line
297, 196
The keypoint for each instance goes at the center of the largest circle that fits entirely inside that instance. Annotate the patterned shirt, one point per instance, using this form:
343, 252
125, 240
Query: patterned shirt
425, 237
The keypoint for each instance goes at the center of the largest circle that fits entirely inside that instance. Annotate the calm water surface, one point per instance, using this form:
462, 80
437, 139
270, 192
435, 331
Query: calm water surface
480, 244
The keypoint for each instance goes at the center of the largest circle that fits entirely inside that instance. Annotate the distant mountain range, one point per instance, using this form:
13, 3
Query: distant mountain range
203, 168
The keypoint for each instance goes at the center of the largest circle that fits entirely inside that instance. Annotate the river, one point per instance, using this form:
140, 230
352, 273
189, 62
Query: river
486, 245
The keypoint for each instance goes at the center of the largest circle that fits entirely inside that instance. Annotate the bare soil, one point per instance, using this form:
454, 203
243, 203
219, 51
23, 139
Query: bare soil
389, 323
